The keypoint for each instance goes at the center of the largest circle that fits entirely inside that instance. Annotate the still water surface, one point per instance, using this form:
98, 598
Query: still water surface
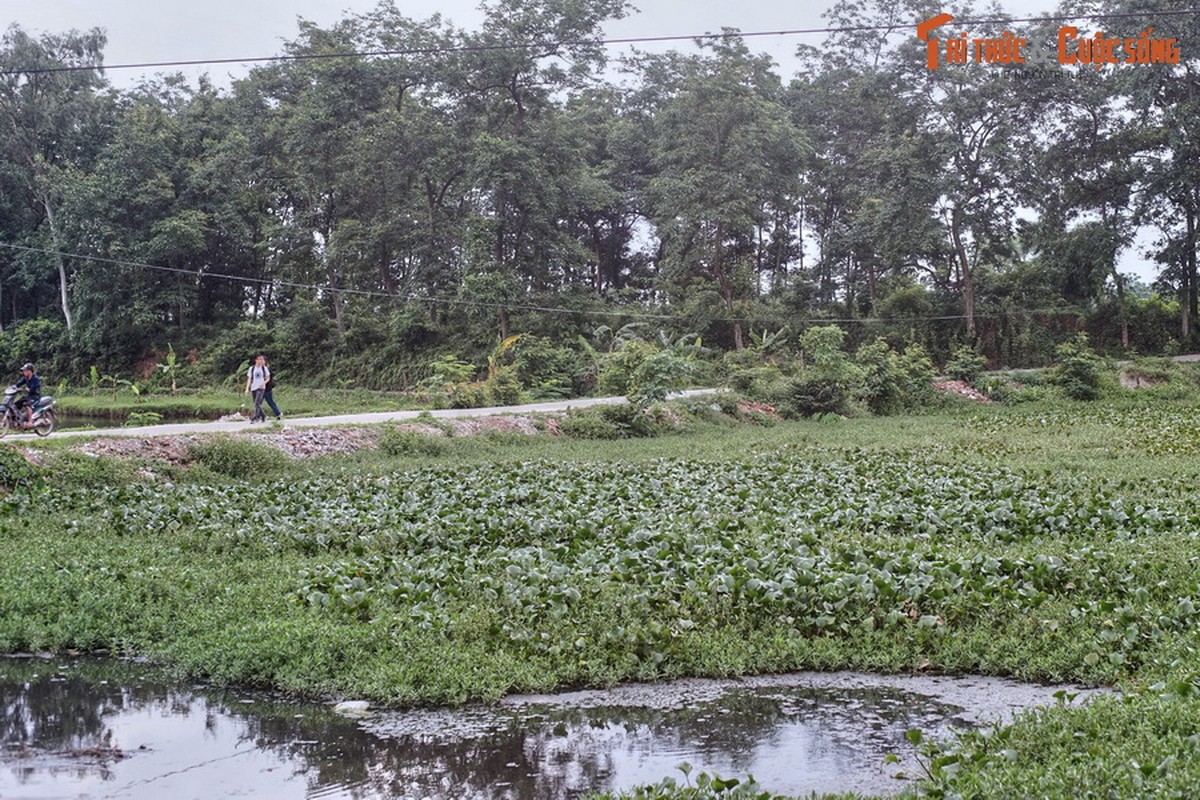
93, 728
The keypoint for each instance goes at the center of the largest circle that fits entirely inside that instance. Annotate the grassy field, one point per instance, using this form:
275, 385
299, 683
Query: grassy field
1046, 543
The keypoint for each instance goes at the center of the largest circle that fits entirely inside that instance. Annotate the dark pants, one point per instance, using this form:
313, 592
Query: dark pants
258, 415
271, 402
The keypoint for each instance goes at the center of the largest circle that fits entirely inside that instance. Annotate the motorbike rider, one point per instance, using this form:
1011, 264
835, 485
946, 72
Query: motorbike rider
32, 384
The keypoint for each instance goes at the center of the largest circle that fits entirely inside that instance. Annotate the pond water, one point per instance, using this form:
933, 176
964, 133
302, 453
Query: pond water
94, 728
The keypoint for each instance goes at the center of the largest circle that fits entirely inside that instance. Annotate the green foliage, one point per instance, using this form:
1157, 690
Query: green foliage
763, 383
398, 442
1078, 371
703, 787
755, 552
658, 375
619, 421
828, 379
618, 367
15, 471
546, 370
138, 418
448, 370
966, 364
893, 382
503, 388
71, 470
237, 457
228, 357
41, 341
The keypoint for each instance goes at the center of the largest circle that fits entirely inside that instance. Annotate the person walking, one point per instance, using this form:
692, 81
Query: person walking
268, 398
256, 386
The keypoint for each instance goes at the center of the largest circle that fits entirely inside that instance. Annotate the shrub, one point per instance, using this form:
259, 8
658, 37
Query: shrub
503, 388
547, 370
916, 370
883, 383
236, 458
16, 472
965, 364
828, 379
760, 383
617, 368
467, 395
1027, 377
1079, 370
622, 421
79, 470
399, 442
586, 423
656, 376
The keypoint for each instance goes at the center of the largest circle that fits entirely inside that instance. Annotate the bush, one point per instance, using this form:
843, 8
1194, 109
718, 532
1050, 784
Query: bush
41, 341
828, 380
893, 382
1027, 377
656, 376
547, 370
965, 364
586, 423
399, 442
467, 395
503, 388
1079, 370
236, 458
79, 470
16, 472
759, 383
623, 421
617, 368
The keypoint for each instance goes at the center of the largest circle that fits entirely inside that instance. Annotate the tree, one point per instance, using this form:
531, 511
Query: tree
727, 161
49, 109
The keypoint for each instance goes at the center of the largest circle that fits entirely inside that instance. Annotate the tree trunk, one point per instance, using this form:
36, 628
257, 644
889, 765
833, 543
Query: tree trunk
967, 279
339, 310
64, 297
1188, 308
726, 287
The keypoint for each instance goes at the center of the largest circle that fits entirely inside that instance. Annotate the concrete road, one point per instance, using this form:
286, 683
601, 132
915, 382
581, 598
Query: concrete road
372, 418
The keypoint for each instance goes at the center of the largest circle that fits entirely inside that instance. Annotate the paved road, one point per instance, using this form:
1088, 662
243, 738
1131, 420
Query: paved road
373, 418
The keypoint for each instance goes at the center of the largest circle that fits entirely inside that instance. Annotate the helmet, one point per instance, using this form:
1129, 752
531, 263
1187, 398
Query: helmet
27, 366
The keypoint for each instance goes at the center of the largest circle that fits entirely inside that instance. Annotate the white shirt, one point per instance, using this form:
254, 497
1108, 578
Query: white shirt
258, 377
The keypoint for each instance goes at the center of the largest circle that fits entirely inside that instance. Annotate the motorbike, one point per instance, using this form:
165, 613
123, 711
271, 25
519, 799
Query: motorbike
44, 420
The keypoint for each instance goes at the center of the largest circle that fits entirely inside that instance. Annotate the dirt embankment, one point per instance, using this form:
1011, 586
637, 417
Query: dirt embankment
312, 442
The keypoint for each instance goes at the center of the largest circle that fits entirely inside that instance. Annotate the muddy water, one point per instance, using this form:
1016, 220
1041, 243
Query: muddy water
106, 729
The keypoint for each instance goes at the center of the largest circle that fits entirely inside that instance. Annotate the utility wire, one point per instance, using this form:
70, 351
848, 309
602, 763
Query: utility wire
452, 301
471, 48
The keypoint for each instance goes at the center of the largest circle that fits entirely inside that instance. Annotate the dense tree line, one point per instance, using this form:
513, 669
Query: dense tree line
362, 215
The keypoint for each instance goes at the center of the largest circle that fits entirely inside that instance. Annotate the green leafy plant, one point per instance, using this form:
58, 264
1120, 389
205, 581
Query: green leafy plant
16, 472
138, 418
966, 364
1078, 371
398, 442
827, 380
237, 457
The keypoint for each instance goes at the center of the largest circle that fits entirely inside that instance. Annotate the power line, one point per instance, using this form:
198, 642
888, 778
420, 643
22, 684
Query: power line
469, 48
368, 293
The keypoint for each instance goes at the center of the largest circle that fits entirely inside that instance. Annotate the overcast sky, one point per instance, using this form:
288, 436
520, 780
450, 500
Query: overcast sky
186, 30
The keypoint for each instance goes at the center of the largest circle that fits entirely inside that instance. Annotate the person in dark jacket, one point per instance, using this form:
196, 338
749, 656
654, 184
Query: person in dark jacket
32, 384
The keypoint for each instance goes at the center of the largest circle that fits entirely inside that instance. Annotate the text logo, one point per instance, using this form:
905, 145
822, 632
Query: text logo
1008, 48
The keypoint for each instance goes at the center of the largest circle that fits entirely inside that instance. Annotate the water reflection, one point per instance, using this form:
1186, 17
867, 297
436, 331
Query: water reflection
101, 728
